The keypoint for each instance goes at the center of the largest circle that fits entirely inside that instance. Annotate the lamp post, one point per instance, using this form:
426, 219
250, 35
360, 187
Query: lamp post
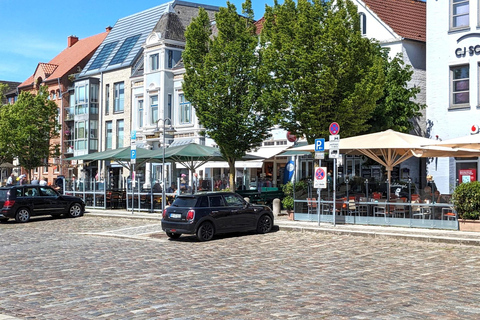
170, 130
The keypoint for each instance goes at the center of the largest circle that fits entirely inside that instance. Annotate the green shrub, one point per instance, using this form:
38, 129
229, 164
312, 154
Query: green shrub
288, 200
466, 199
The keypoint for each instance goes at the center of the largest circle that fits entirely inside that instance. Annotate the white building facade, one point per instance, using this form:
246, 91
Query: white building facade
453, 75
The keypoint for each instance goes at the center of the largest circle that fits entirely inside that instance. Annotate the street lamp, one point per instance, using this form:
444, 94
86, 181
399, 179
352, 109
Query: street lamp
169, 130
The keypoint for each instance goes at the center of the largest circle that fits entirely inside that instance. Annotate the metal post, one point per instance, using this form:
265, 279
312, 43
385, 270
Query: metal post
334, 187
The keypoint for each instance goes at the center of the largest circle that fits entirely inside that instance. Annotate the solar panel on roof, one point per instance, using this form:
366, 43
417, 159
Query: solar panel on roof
124, 50
102, 56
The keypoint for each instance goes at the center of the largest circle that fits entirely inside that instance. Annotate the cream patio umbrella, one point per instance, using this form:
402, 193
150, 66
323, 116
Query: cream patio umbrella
470, 142
390, 148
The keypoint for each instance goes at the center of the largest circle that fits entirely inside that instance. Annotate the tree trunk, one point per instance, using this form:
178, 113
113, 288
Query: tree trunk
231, 175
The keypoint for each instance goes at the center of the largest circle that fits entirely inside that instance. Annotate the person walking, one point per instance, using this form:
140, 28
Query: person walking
10, 180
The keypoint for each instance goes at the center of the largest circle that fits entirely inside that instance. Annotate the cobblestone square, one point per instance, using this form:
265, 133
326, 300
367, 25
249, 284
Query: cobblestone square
119, 268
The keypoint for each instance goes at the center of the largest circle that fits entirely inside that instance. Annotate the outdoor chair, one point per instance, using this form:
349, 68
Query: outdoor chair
312, 205
399, 208
362, 209
381, 209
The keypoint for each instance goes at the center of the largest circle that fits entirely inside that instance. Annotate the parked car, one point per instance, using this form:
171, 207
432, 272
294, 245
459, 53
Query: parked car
22, 202
211, 213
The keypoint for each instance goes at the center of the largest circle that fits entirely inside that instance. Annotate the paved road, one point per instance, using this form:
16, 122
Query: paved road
118, 268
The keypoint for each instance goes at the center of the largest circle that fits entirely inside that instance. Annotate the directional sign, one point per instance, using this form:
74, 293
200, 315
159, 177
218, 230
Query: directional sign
319, 145
320, 178
334, 128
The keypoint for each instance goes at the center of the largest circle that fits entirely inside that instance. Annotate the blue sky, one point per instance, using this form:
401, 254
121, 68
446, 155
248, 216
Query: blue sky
36, 31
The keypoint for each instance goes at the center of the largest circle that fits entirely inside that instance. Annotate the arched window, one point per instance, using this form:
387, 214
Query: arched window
363, 23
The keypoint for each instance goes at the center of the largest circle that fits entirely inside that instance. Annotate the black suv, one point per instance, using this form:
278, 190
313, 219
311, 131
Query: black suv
207, 214
22, 202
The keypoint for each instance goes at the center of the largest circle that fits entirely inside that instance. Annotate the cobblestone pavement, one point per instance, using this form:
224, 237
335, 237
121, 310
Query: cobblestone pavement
120, 268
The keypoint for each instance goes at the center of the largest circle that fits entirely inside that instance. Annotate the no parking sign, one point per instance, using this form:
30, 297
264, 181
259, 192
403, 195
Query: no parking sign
320, 177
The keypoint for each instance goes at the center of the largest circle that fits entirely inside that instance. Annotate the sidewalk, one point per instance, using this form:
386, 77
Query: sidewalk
428, 235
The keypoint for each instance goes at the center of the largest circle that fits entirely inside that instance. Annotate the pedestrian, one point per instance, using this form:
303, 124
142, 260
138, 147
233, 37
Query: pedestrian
10, 180
35, 180
23, 179
43, 182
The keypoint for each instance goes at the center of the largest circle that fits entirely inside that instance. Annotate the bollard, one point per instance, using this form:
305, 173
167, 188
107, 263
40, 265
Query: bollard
276, 207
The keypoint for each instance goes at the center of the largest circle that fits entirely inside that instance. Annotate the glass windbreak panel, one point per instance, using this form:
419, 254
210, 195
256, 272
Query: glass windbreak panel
461, 9
103, 55
124, 50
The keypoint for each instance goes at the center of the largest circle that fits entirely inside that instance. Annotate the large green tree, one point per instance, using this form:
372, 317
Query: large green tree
225, 82
27, 127
396, 109
322, 66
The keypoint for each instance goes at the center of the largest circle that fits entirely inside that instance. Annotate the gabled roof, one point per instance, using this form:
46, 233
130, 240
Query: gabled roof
124, 43
170, 27
406, 17
68, 59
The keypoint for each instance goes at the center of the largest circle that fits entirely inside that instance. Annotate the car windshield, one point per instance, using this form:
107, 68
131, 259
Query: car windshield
188, 202
3, 194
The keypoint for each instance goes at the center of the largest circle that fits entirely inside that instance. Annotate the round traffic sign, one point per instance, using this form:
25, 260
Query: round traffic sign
334, 128
320, 174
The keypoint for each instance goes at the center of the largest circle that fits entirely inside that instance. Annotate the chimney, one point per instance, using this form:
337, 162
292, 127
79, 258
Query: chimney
72, 40
108, 29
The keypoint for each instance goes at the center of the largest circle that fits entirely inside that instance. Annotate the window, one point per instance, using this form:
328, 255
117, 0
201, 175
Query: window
103, 55
154, 62
107, 99
460, 13
94, 93
108, 135
124, 50
173, 56
169, 107
80, 135
93, 134
81, 100
460, 85
154, 108
363, 23
120, 133
185, 110
118, 96
140, 113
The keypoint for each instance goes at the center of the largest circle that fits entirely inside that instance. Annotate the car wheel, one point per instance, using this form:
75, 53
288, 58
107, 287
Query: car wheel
3, 220
264, 224
75, 210
205, 232
23, 215
172, 235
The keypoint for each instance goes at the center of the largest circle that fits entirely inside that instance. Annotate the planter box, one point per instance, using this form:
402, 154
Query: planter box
469, 225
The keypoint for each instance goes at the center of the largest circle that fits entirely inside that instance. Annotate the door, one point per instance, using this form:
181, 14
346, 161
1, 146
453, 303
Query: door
37, 203
241, 216
53, 203
219, 212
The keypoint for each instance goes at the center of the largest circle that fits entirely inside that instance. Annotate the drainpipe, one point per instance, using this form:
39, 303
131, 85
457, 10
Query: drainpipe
61, 128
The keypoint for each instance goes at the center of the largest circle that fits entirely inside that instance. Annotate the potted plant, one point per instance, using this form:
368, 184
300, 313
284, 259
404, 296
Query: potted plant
466, 200
288, 202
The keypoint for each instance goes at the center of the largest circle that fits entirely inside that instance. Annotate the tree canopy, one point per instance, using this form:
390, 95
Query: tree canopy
323, 68
225, 81
26, 129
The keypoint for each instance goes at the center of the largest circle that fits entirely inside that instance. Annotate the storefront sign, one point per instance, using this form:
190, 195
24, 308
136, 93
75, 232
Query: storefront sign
467, 175
471, 50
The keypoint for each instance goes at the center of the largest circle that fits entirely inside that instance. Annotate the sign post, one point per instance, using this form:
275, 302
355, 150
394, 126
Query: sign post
133, 160
334, 131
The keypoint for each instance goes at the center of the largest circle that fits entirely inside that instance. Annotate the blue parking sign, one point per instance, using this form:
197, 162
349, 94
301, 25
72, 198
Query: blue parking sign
319, 144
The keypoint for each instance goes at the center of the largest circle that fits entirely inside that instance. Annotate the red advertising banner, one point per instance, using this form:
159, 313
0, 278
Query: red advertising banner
467, 175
